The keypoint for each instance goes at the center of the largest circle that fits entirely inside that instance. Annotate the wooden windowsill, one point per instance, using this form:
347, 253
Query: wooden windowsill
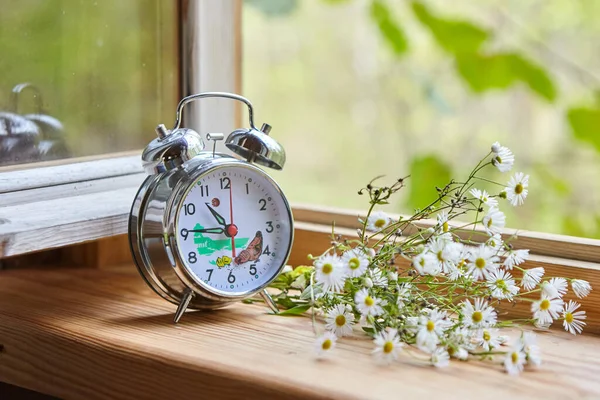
103, 334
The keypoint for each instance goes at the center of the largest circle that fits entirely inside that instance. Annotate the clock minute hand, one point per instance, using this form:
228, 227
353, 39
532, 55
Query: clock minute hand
218, 217
207, 230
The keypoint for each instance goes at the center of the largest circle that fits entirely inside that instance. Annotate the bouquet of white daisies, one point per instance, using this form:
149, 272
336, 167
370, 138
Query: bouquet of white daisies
434, 289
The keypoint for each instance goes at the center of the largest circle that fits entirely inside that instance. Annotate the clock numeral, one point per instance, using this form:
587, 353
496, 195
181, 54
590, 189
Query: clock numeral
225, 183
263, 204
267, 251
210, 271
204, 191
189, 209
231, 277
269, 227
252, 269
247, 189
192, 257
184, 233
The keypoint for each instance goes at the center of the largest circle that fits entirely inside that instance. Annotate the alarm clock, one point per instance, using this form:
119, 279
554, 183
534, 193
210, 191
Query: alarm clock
207, 229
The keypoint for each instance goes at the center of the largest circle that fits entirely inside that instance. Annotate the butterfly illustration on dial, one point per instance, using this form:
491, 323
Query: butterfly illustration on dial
233, 229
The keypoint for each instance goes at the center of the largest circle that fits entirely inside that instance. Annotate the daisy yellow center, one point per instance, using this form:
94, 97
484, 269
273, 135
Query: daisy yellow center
380, 223
445, 226
545, 304
354, 263
514, 357
327, 268
490, 222
369, 301
326, 345
518, 188
430, 326
477, 316
486, 336
568, 317
388, 347
451, 350
340, 320
440, 256
480, 263
499, 159
501, 284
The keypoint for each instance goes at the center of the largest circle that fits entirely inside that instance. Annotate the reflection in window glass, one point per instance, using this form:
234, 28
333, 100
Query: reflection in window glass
358, 88
84, 77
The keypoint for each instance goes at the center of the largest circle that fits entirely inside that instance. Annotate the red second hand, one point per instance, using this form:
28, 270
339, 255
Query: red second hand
231, 220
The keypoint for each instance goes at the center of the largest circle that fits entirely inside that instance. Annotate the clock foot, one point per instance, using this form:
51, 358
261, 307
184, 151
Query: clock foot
269, 300
185, 302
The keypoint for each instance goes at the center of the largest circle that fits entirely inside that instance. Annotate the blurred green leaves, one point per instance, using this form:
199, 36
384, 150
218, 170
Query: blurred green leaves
585, 123
425, 173
274, 8
389, 28
464, 40
456, 37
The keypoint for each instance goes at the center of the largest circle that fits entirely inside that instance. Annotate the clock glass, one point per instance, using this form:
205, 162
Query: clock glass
234, 229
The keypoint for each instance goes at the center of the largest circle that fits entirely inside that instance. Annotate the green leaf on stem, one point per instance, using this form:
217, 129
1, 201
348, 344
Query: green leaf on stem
298, 310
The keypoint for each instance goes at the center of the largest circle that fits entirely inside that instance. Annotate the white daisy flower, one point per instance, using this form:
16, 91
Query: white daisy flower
573, 319
482, 262
516, 191
339, 321
426, 264
378, 277
515, 360
442, 221
378, 221
355, 262
324, 344
532, 277
488, 339
403, 293
446, 253
503, 158
430, 328
392, 277
495, 242
329, 271
502, 285
484, 197
366, 304
555, 287
546, 309
581, 288
531, 349
494, 221
440, 358
479, 316
387, 346
515, 257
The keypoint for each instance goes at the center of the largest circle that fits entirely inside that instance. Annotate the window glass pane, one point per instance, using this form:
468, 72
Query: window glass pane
356, 89
84, 77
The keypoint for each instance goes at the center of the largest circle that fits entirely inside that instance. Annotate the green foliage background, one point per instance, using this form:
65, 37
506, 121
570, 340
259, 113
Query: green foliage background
360, 88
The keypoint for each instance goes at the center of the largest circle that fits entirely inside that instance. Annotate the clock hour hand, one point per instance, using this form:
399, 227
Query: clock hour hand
218, 217
207, 230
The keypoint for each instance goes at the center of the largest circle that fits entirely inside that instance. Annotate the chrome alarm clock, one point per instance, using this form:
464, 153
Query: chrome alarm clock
205, 228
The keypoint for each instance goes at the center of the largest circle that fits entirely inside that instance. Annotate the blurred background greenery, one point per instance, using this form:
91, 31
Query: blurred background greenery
353, 89
360, 88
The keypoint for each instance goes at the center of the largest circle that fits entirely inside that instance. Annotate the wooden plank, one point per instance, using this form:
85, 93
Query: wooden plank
60, 222
69, 173
72, 189
547, 244
104, 335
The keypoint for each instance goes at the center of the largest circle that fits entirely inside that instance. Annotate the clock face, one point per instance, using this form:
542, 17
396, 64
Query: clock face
234, 230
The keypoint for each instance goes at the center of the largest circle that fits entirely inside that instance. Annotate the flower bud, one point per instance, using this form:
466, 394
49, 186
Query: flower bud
496, 147
502, 195
392, 276
368, 282
348, 308
287, 268
371, 252
429, 231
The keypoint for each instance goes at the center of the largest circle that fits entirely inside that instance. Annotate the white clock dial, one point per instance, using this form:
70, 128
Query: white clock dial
234, 230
